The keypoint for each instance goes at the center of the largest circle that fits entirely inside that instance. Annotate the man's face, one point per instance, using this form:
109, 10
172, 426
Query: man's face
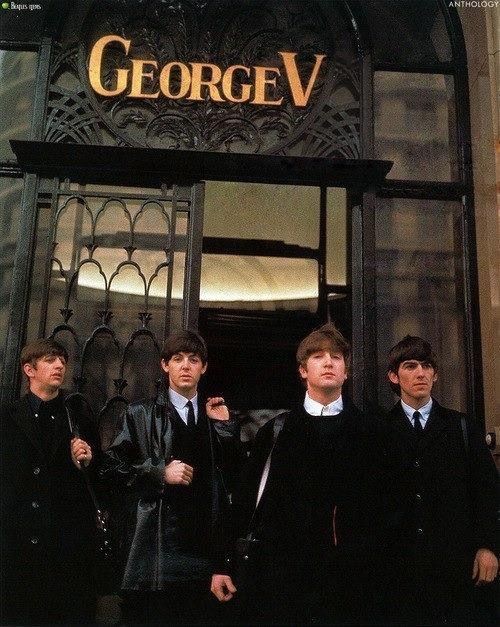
46, 375
416, 379
324, 373
184, 372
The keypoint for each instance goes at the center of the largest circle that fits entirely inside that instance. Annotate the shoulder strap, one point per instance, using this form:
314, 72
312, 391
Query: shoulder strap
465, 435
279, 421
101, 517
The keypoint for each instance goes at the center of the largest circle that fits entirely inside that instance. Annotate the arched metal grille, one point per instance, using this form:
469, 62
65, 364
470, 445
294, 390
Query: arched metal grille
116, 285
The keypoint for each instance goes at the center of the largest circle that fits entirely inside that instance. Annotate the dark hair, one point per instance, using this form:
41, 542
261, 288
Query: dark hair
37, 349
328, 338
185, 342
410, 347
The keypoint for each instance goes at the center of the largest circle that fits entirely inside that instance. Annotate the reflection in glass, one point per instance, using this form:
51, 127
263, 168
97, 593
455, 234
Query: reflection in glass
419, 288
414, 125
17, 80
178, 275
408, 32
284, 213
251, 282
251, 219
336, 236
10, 199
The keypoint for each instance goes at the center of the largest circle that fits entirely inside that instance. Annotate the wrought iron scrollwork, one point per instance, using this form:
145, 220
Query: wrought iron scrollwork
223, 33
113, 331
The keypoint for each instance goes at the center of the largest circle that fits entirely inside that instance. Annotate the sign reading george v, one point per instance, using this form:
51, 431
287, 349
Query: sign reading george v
263, 76
190, 80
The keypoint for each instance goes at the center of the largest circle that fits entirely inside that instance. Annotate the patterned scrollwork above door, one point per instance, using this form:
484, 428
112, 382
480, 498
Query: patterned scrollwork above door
223, 33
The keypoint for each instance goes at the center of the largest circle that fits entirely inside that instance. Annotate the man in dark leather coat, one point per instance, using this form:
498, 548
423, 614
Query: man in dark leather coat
47, 517
303, 504
169, 457
440, 500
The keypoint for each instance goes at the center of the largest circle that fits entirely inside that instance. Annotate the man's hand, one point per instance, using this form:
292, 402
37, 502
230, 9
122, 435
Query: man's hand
216, 408
485, 567
222, 587
178, 473
81, 453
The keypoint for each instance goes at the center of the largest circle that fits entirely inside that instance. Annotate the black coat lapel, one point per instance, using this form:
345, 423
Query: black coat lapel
400, 423
163, 413
62, 434
25, 419
435, 424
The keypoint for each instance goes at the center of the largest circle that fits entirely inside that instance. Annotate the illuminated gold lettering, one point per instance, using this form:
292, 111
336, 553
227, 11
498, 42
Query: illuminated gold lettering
138, 74
197, 81
95, 62
261, 82
165, 79
227, 84
300, 97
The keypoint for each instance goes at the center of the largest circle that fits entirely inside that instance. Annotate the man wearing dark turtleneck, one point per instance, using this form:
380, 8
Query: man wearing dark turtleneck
302, 506
46, 513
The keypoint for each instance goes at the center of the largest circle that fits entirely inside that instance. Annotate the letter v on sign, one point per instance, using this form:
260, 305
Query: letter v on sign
299, 95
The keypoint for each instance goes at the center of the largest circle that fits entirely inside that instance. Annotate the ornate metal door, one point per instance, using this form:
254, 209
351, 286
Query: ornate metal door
116, 269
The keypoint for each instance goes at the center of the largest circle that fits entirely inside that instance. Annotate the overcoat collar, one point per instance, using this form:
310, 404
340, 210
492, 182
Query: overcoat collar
161, 425
25, 418
298, 416
436, 423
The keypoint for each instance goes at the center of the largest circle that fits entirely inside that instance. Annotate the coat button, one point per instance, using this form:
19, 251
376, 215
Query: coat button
416, 464
35, 504
34, 540
420, 531
418, 497
36, 470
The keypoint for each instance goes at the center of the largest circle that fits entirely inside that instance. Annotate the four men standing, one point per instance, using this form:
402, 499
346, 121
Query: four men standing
330, 501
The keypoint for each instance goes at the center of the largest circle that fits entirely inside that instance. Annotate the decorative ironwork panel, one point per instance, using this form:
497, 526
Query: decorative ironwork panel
114, 285
172, 40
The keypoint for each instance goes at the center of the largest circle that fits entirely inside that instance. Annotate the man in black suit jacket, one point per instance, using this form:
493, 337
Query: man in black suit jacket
302, 516
440, 499
168, 458
47, 517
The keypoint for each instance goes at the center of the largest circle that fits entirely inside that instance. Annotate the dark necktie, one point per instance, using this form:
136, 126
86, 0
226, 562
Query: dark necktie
417, 425
191, 420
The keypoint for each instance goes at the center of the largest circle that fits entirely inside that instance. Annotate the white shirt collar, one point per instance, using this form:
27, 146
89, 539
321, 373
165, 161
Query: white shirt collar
179, 402
424, 411
314, 408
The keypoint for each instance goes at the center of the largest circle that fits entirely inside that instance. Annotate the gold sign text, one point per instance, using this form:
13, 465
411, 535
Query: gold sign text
191, 81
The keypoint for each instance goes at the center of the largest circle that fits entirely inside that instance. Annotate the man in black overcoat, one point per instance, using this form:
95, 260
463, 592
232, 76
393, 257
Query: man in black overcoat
169, 459
440, 500
47, 517
303, 504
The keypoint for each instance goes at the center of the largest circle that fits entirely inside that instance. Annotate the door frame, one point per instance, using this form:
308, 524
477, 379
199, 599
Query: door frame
153, 167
